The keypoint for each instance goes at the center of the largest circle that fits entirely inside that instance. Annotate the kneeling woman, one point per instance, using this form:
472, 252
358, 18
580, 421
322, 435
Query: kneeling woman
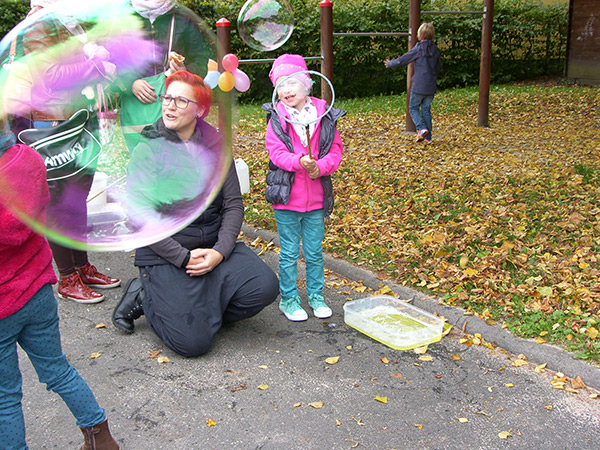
199, 278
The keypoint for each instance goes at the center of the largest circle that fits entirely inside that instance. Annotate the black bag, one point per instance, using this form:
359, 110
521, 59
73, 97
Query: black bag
69, 148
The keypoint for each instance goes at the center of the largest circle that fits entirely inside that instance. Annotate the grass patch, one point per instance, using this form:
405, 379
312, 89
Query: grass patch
502, 219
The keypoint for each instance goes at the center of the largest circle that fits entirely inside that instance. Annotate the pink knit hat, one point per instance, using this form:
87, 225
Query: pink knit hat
287, 65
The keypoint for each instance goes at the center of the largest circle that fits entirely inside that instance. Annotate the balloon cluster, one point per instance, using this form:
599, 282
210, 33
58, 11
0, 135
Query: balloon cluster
232, 77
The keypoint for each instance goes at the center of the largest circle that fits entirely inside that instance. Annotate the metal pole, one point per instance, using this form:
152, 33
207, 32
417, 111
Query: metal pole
224, 98
486, 65
327, 48
414, 19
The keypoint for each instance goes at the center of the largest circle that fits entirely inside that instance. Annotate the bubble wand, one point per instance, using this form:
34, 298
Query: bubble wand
306, 124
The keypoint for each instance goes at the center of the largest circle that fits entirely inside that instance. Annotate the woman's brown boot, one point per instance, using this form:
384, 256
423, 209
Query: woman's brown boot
98, 438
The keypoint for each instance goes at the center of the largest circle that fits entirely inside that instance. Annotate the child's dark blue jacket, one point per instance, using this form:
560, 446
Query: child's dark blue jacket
428, 64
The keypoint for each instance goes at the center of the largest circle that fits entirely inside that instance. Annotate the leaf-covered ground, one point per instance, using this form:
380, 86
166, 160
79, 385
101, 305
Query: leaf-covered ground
503, 221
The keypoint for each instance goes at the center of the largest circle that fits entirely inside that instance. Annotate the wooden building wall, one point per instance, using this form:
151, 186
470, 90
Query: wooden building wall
583, 41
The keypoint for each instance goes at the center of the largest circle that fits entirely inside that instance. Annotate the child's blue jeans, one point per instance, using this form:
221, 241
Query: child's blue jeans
419, 108
291, 227
35, 328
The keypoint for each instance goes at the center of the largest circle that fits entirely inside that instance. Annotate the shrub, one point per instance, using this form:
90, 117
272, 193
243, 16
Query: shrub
533, 45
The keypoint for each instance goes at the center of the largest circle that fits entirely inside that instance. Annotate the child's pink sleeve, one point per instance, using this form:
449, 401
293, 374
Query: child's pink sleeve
279, 153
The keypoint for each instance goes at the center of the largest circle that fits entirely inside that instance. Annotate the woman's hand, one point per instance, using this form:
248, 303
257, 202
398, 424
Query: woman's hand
202, 261
143, 91
176, 62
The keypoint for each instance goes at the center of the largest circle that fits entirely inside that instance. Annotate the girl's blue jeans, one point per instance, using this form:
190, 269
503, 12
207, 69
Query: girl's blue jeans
419, 108
310, 227
35, 328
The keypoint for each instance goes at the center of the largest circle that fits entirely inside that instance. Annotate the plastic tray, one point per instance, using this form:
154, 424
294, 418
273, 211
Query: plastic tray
393, 322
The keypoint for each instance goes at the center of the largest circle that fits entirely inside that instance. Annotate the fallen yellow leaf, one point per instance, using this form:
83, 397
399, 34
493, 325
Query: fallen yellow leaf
337, 422
385, 360
316, 405
509, 385
419, 426
382, 399
504, 434
95, 355
539, 340
163, 360
426, 358
210, 423
541, 368
297, 404
577, 383
101, 325
463, 419
455, 357
592, 332
332, 360
263, 367
594, 395
421, 350
262, 387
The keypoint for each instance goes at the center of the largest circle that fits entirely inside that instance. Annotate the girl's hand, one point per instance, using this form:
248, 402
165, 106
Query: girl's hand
386, 62
202, 261
308, 163
314, 174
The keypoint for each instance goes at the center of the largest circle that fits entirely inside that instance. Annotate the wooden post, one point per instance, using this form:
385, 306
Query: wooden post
327, 48
224, 98
486, 65
414, 20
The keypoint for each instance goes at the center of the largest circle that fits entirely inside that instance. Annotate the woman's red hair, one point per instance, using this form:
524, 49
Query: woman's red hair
202, 92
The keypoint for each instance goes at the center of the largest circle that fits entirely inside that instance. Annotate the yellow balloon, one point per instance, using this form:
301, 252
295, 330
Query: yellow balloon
226, 81
212, 65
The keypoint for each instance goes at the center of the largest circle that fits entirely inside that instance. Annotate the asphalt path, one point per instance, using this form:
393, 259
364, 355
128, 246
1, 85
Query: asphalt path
267, 382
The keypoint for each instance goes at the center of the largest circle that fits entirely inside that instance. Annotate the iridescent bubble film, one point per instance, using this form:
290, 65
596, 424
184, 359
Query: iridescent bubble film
113, 185
265, 24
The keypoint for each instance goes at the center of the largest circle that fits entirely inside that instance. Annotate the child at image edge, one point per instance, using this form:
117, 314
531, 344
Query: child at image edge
298, 186
28, 308
428, 64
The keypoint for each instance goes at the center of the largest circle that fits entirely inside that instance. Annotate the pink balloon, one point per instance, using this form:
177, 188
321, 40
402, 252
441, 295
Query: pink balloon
230, 62
242, 82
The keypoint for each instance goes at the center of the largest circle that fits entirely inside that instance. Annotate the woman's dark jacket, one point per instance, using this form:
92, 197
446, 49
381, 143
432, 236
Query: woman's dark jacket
218, 226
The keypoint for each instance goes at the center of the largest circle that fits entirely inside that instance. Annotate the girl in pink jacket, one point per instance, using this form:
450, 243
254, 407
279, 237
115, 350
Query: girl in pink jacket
299, 183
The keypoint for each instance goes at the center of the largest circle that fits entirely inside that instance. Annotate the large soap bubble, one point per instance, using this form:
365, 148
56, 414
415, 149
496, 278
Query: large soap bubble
123, 188
265, 24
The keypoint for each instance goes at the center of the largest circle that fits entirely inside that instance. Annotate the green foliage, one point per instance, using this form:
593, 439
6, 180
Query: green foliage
529, 39
13, 11
525, 48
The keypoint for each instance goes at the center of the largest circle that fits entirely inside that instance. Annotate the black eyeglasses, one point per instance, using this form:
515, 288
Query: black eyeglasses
180, 102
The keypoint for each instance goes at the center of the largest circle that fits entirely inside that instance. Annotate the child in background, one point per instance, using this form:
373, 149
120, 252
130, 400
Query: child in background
28, 308
428, 64
298, 184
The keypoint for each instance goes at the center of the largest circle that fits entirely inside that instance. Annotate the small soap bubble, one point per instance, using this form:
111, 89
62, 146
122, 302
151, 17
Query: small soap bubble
119, 187
265, 24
